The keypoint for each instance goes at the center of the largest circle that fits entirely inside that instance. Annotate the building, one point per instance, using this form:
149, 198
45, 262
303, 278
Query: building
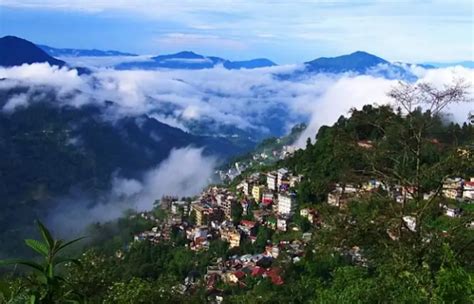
282, 175
286, 204
272, 181
452, 188
179, 207
468, 191
257, 192
232, 236
202, 213
267, 198
282, 224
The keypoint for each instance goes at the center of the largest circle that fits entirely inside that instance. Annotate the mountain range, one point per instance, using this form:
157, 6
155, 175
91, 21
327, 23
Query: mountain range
67, 52
192, 61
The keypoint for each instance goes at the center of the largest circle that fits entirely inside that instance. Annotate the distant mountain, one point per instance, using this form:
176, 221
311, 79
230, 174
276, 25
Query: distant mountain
358, 63
60, 52
191, 61
467, 64
16, 51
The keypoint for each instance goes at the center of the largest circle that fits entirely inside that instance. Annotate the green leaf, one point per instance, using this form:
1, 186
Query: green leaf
71, 242
22, 262
38, 246
46, 234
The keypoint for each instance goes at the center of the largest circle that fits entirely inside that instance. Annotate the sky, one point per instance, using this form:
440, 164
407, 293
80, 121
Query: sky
281, 30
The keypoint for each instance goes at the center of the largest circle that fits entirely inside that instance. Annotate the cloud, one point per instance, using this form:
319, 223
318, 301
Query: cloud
184, 173
254, 101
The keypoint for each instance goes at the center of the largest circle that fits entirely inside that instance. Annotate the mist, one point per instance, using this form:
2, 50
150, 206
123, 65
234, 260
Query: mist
184, 173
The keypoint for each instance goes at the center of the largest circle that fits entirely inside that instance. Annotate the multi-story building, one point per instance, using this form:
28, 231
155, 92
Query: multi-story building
267, 198
468, 191
282, 175
202, 213
286, 204
452, 188
271, 181
232, 236
257, 192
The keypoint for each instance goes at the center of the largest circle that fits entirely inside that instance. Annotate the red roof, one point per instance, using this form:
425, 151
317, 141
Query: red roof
274, 276
257, 271
247, 223
239, 274
469, 184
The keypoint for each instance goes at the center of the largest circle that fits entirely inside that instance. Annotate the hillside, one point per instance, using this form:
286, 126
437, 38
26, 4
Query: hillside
378, 209
49, 150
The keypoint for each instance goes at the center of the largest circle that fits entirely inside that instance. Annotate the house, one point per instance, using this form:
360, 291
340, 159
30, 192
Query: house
232, 236
365, 144
267, 198
257, 192
452, 188
248, 227
282, 224
282, 177
272, 181
468, 190
286, 204
310, 214
451, 211
410, 222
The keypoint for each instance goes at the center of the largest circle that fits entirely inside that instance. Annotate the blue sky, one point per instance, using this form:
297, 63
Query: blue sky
281, 30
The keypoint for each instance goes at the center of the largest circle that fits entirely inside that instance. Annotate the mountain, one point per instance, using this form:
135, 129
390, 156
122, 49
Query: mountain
51, 151
191, 61
60, 52
358, 62
16, 51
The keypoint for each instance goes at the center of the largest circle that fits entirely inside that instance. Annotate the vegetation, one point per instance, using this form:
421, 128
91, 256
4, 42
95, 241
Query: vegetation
363, 253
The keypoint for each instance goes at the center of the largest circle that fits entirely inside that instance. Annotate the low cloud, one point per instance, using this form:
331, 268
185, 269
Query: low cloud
257, 101
184, 173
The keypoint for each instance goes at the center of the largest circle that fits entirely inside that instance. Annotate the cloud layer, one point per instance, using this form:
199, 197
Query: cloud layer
250, 100
184, 173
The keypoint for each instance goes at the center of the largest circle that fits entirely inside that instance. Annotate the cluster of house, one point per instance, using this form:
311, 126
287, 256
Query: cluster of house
456, 189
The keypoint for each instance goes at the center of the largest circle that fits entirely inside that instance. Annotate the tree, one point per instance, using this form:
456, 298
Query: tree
47, 283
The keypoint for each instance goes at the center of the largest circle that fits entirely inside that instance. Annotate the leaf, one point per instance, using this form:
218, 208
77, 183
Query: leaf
38, 246
22, 262
46, 234
71, 242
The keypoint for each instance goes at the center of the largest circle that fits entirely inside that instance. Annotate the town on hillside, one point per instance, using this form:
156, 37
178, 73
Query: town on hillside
242, 214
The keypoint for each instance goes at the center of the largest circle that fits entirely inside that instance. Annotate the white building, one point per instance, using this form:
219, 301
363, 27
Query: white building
281, 175
468, 191
271, 181
282, 224
286, 204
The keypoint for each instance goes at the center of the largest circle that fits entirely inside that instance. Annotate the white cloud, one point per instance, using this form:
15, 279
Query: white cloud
184, 173
252, 100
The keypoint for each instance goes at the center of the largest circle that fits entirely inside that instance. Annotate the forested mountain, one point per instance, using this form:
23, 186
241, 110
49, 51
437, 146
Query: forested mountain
371, 248
48, 150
